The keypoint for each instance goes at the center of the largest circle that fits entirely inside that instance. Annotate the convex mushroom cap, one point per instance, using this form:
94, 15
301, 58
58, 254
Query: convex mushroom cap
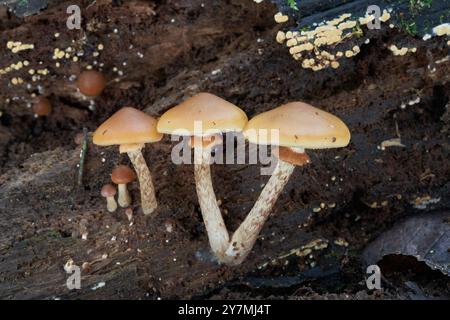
91, 83
128, 126
215, 115
108, 190
300, 125
122, 175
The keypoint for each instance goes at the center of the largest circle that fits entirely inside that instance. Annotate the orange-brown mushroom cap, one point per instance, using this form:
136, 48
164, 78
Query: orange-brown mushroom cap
215, 114
42, 107
299, 125
127, 126
122, 175
91, 83
108, 190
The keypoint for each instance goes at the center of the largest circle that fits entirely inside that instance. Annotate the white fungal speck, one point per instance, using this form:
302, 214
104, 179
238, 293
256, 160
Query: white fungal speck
442, 30
68, 267
98, 286
414, 101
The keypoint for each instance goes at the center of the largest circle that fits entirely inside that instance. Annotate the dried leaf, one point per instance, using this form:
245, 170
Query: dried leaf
424, 236
24, 8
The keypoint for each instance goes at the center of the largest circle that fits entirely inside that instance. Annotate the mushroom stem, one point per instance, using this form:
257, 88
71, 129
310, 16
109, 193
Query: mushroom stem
111, 204
212, 217
148, 198
124, 198
245, 236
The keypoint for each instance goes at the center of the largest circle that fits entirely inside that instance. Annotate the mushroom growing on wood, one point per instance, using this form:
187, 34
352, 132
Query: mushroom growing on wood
108, 192
91, 83
121, 175
131, 129
204, 118
300, 126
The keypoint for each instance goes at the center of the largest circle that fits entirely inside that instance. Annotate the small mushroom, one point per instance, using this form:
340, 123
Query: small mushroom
204, 118
91, 83
108, 192
42, 107
121, 175
300, 126
131, 129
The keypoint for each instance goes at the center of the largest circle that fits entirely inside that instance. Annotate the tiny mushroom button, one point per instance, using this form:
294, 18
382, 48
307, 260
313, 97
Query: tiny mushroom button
91, 83
131, 129
204, 118
121, 175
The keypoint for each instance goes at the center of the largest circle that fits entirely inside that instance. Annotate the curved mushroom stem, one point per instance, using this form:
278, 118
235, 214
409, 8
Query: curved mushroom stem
124, 198
212, 217
245, 236
111, 204
148, 198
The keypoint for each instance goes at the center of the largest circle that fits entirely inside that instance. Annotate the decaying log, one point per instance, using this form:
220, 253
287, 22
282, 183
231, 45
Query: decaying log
352, 193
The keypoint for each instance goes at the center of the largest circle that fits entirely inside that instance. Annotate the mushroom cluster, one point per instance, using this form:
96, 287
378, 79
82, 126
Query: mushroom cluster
131, 129
203, 119
121, 175
300, 127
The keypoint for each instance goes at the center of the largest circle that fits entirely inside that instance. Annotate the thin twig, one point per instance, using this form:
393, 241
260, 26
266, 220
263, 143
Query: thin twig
83, 151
